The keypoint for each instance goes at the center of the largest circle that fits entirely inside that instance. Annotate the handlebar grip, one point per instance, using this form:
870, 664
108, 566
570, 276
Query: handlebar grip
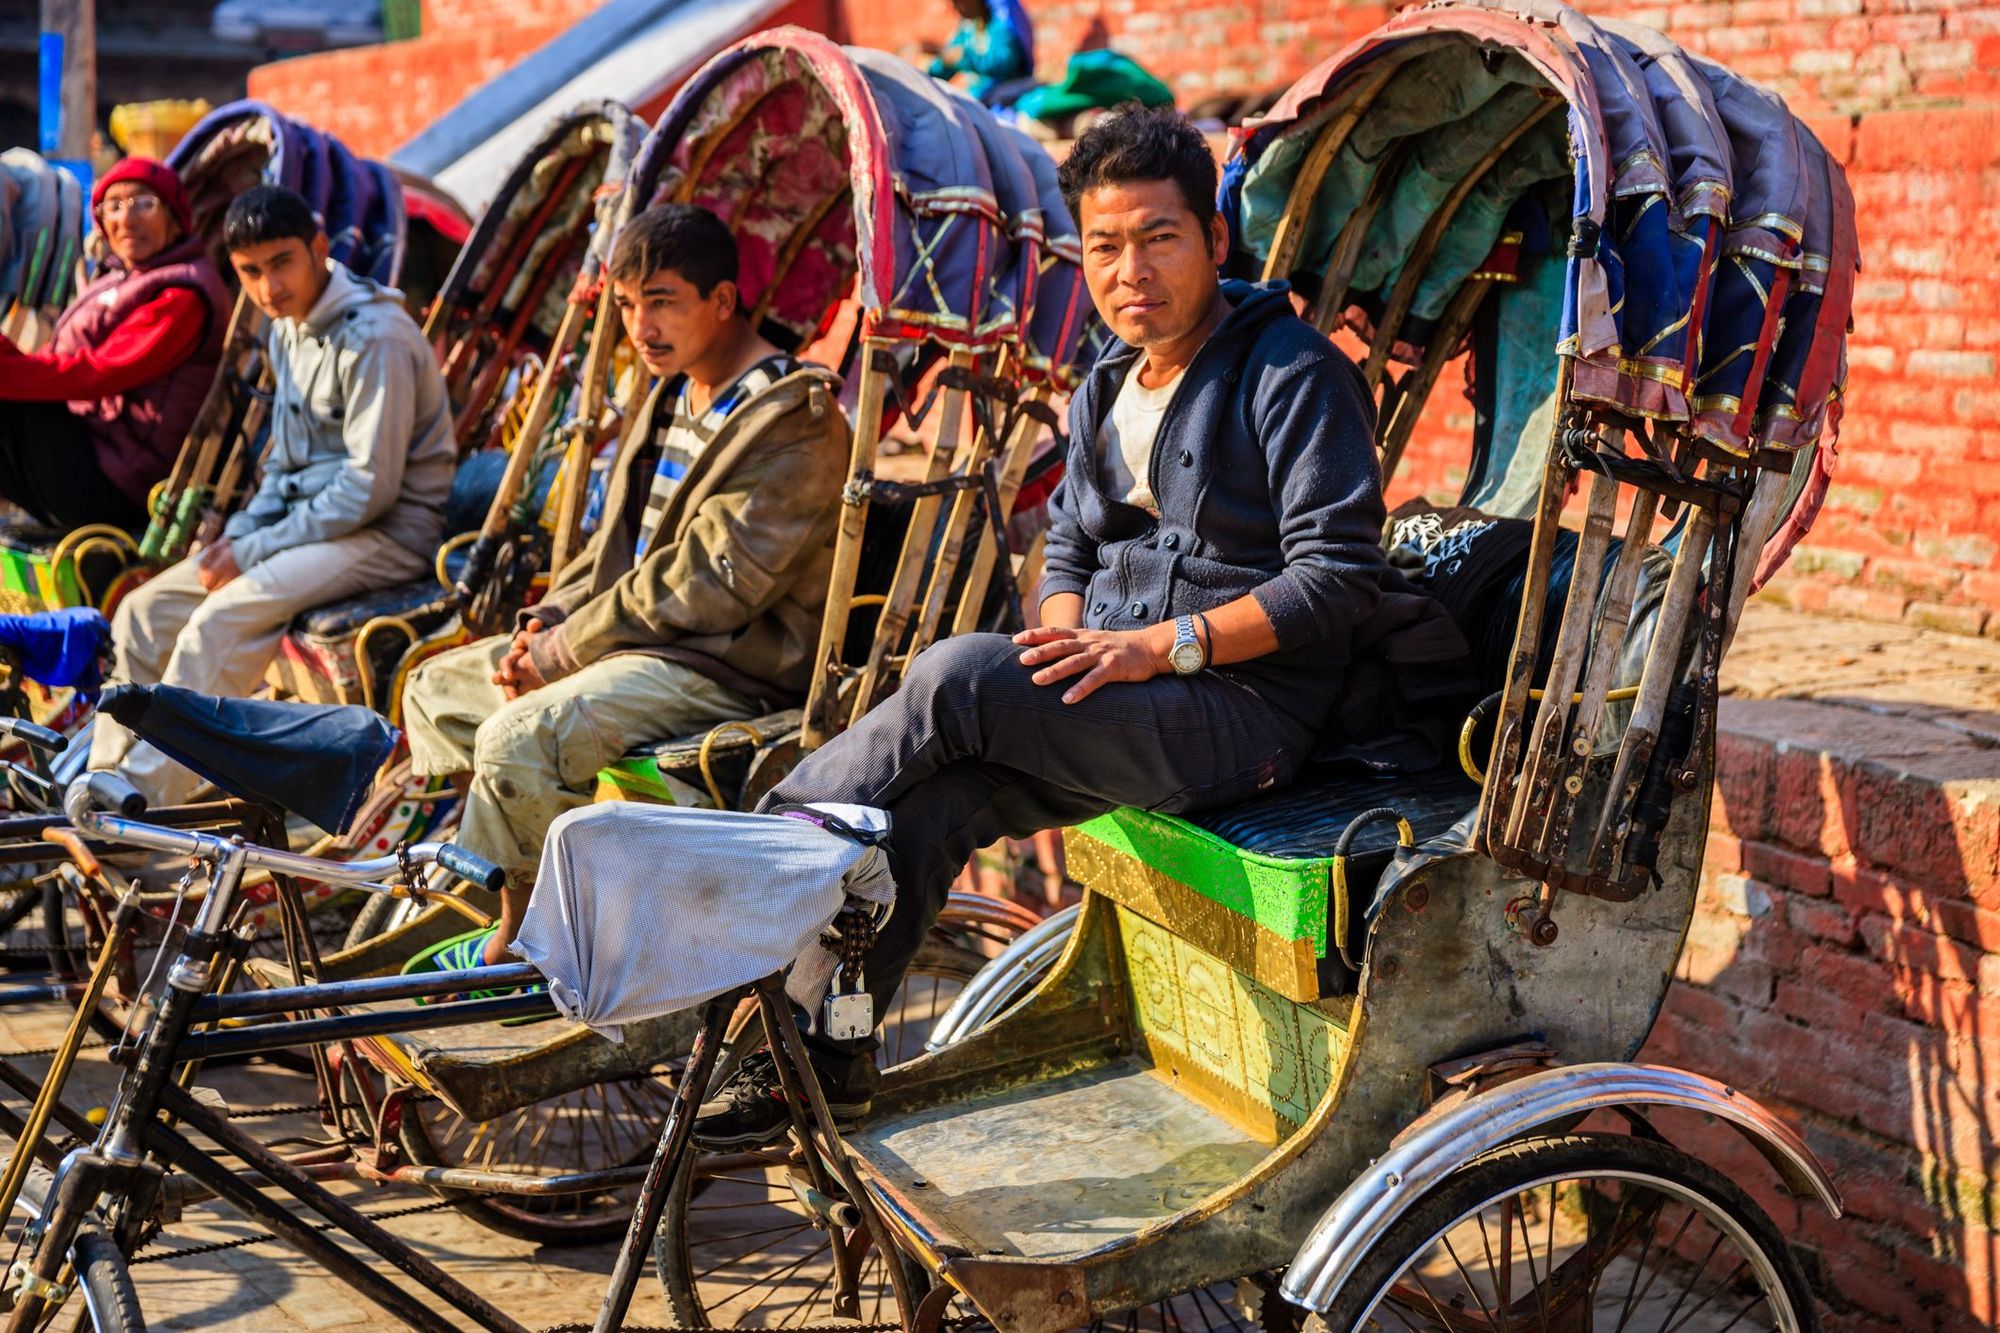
34, 734
110, 792
472, 868
67, 839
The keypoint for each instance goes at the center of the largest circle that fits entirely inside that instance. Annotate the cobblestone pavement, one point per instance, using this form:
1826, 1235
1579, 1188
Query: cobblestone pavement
267, 1288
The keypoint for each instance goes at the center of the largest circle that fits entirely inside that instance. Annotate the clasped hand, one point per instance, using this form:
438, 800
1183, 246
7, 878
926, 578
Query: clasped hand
1094, 656
517, 674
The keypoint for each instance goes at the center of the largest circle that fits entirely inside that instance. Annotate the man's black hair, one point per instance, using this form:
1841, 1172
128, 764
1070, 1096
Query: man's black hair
265, 213
1136, 143
684, 238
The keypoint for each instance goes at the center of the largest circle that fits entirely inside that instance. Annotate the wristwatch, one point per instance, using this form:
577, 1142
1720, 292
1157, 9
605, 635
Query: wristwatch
1187, 656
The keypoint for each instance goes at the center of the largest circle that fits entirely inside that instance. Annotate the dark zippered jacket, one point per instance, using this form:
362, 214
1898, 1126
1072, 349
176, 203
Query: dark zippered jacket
1267, 482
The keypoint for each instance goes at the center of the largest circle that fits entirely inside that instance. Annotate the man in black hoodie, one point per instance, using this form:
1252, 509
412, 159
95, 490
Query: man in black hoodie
1213, 550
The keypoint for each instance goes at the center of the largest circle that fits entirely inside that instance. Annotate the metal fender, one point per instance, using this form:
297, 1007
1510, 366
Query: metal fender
1436, 1147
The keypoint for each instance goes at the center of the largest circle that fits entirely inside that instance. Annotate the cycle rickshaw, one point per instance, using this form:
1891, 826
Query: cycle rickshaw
1341, 1046
483, 1113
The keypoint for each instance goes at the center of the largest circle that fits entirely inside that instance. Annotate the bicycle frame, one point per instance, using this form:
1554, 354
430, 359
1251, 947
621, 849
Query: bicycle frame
139, 1125
145, 1130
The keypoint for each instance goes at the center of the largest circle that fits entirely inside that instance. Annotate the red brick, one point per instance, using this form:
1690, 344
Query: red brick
1820, 920
1801, 873
1864, 604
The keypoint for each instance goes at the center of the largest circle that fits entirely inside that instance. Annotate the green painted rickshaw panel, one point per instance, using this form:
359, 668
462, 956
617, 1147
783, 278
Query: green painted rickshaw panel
637, 777
1286, 897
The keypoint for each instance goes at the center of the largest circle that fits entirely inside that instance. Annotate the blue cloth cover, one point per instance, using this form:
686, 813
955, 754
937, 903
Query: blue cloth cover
313, 760
62, 649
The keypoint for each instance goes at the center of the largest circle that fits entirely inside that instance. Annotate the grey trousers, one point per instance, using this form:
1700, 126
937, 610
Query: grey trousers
970, 750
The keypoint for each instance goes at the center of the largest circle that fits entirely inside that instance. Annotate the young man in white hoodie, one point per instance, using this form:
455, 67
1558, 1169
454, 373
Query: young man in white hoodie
353, 490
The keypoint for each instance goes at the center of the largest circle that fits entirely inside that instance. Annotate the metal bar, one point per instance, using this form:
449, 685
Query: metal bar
294, 1229
823, 693
951, 548
590, 407
1614, 621
905, 588
1013, 467
1417, 384
795, 1072
347, 1027
676, 1139
1537, 781
368, 990
1347, 249
510, 1182
64, 1114
65, 1053
61, 992
1495, 800
1657, 680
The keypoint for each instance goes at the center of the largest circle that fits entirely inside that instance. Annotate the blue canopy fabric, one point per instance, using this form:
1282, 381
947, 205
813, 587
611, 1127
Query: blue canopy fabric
62, 649
313, 760
359, 200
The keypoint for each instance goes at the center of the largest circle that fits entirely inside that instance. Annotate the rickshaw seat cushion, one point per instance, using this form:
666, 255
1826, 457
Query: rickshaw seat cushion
316, 661
1269, 860
343, 617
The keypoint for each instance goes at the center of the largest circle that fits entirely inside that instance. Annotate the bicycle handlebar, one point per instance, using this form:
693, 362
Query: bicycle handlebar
83, 798
101, 790
472, 868
34, 735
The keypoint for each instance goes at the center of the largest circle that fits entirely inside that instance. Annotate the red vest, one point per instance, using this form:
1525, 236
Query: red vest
138, 433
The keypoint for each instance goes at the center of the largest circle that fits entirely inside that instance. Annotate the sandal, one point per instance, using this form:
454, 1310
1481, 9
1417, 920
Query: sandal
461, 953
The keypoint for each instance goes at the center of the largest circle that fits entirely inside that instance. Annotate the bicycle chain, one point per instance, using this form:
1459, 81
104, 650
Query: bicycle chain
216, 1247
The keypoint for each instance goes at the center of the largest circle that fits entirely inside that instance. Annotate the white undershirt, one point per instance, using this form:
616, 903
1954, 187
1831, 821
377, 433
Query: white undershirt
1125, 440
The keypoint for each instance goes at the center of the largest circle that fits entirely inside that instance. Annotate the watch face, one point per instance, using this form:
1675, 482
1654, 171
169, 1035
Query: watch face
1186, 658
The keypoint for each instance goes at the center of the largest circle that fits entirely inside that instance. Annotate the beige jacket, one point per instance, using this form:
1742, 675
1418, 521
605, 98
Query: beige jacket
735, 580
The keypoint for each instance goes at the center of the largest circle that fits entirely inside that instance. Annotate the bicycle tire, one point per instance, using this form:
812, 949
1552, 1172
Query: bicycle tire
1501, 1174
105, 1279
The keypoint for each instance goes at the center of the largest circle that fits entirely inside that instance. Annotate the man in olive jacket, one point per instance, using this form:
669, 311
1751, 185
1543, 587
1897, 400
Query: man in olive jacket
697, 600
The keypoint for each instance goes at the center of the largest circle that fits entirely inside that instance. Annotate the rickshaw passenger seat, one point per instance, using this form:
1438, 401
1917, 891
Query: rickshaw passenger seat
1268, 862
316, 660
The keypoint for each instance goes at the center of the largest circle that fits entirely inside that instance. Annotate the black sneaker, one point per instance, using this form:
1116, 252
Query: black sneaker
750, 1109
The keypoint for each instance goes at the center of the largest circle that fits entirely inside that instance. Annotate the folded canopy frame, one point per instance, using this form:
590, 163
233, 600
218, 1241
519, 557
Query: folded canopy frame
847, 178
1659, 281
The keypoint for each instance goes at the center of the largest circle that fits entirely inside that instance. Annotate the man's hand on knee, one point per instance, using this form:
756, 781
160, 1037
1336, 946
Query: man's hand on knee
216, 565
1095, 656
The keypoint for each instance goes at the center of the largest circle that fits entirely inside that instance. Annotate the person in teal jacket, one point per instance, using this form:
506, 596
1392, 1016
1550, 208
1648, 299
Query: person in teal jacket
992, 44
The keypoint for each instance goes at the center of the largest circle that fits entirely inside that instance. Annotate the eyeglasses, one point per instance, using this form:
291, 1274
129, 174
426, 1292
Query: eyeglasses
138, 205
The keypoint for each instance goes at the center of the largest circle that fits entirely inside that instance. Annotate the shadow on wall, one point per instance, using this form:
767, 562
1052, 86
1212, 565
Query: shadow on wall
1844, 966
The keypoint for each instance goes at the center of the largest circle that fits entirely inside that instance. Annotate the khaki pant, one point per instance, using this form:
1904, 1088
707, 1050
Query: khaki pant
537, 756
172, 631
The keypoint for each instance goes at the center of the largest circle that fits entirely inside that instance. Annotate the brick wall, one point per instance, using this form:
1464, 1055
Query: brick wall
1844, 967
375, 98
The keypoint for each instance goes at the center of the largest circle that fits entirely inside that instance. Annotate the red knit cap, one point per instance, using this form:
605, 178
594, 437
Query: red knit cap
158, 177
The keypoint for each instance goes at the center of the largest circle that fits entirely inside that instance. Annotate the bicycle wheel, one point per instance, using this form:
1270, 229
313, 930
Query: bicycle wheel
736, 1210
1584, 1231
106, 1283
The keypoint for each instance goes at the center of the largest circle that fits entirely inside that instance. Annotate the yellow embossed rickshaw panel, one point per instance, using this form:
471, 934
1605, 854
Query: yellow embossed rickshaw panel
1222, 1038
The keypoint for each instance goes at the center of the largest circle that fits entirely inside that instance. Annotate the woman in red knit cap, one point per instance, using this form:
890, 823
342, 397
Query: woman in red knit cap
92, 421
